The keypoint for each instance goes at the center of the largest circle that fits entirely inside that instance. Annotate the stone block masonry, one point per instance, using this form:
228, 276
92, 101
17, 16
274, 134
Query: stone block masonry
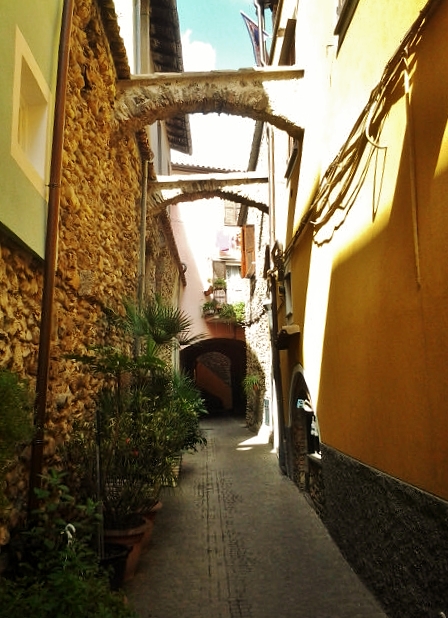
97, 250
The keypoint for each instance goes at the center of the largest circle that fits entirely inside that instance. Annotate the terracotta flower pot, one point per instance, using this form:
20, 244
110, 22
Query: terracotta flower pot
149, 517
154, 510
133, 538
149, 527
115, 558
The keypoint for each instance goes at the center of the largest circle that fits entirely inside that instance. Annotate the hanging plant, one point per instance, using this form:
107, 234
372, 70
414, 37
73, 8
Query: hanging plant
252, 384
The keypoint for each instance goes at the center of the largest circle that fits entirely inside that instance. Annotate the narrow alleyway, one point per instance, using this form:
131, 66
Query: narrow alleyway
236, 539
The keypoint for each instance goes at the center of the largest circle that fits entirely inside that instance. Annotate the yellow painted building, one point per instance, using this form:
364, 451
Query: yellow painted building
361, 212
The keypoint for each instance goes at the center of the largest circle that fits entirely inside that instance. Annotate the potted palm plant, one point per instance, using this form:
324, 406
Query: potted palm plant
138, 428
125, 452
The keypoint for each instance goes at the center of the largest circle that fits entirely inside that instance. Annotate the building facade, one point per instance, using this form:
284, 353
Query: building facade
358, 261
348, 286
106, 246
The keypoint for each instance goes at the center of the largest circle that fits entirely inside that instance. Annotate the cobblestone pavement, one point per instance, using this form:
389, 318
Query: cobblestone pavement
236, 539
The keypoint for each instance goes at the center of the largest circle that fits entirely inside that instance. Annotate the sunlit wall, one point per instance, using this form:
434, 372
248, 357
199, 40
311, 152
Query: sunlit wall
375, 301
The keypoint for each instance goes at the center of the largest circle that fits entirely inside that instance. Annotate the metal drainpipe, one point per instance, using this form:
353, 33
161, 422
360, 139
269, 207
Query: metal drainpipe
138, 36
142, 262
271, 173
51, 242
412, 168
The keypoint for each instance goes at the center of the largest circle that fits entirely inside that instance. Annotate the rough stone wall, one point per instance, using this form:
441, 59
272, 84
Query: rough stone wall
316, 488
98, 239
20, 303
394, 536
97, 251
300, 450
257, 329
217, 363
259, 359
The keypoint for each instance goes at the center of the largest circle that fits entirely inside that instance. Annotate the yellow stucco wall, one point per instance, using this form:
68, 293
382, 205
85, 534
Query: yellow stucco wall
375, 343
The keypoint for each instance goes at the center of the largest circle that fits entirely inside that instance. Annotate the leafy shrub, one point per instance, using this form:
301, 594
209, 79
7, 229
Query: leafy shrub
15, 419
53, 569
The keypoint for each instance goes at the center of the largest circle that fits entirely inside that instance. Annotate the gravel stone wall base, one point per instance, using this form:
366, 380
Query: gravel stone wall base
394, 536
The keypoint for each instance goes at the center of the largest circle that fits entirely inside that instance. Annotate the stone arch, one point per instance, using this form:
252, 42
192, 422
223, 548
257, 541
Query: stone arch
159, 202
303, 460
268, 94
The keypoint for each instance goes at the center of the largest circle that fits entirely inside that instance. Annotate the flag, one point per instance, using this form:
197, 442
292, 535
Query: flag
254, 34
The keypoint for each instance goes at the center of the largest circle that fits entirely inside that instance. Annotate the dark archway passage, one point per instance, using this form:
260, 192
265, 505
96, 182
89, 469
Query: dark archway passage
304, 464
218, 367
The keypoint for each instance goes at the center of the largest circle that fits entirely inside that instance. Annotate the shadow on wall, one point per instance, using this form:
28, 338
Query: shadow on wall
253, 386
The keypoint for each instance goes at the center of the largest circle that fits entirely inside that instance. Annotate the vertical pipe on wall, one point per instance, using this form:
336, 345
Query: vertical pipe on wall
142, 257
137, 37
271, 173
412, 169
144, 50
51, 244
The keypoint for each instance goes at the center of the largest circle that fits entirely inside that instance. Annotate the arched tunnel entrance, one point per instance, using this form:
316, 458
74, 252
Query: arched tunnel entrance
218, 367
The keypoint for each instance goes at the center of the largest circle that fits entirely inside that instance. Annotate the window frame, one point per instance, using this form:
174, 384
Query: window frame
345, 11
30, 133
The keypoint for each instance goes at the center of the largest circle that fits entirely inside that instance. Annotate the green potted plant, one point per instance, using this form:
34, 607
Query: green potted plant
219, 291
209, 308
137, 421
158, 322
122, 445
240, 312
227, 313
219, 283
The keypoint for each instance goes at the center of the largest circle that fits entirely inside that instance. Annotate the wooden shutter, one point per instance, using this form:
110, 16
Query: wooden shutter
247, 251
231, 212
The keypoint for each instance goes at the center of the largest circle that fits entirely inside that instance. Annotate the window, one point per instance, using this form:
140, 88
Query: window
288, 51
288, 58
311, 426
30, 122
294, 156
219, 269
231, 213
236, 287
345, 11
